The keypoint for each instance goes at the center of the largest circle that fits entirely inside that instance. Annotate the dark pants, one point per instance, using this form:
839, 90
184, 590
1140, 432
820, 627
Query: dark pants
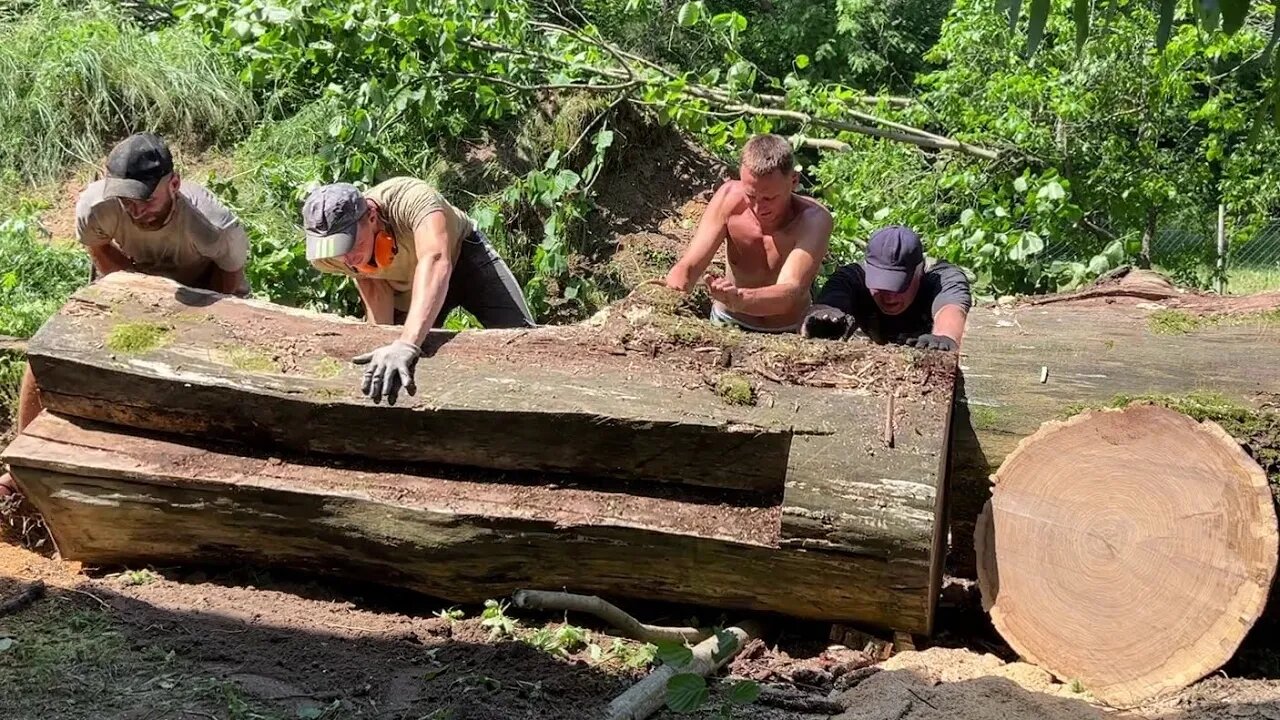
484, 286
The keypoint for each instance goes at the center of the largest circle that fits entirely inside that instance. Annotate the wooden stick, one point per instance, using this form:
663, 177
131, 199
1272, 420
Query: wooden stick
650, 694
610, 613
888, 420
29, 594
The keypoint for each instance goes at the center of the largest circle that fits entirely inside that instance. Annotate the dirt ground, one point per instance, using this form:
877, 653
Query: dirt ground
239, 644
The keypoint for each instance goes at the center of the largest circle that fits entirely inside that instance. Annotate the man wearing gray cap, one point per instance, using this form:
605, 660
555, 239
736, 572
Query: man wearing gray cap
143, 217
892, 297
414, 257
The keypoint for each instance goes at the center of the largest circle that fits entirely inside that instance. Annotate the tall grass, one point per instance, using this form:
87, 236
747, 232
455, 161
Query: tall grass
77, 79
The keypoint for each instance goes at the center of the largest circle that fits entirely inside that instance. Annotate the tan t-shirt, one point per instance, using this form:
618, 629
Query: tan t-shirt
200, 233
405, 204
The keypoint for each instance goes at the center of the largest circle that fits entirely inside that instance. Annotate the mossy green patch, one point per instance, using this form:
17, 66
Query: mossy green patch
1173, 322
136, 338
735, 389
1180, 322
251, 360
983, 418
327, 367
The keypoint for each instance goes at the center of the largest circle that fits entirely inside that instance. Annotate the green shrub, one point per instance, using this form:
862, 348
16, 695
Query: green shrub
35, 277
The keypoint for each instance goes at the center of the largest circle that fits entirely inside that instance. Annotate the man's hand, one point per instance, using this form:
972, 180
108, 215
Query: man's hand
827, 323
723, 291
933, 342
390, 368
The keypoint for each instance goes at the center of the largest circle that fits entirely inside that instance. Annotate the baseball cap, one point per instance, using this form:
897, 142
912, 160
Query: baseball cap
329, 219
893, 254
136, 166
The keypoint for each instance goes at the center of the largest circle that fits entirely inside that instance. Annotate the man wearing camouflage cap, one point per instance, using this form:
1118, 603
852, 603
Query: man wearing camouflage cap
414, 257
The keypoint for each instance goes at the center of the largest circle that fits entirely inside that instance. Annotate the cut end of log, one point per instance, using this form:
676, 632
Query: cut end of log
1131, 550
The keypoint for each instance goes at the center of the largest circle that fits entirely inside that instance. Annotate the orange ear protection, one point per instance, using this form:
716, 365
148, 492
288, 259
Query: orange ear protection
384, 252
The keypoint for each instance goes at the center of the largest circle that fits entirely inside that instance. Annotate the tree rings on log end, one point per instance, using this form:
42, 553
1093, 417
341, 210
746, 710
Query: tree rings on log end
1131, 550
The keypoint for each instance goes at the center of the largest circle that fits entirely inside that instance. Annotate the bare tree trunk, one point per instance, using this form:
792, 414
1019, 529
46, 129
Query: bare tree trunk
1148, 234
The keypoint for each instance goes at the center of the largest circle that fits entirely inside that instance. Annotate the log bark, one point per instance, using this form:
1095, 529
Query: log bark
115, 497
1131, 550
626, 400
1098, 351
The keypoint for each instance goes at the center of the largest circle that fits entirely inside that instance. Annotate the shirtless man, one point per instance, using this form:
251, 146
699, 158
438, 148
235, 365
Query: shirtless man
776, 243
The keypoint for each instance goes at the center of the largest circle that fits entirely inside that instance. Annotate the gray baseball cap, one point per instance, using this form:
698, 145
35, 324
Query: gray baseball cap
329, 218
893, 254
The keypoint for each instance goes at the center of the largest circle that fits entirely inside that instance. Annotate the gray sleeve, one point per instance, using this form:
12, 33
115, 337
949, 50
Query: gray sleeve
233, 251
89, 230
953, 288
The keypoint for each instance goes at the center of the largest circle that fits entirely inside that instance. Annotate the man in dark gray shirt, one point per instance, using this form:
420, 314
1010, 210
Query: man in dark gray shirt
892, 297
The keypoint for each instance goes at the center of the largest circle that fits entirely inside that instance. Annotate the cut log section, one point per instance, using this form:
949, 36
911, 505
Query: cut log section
1221, 352
638, 396
114, 497
1129, 550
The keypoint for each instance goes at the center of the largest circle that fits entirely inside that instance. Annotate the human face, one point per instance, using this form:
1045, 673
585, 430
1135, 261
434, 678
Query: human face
769, 196
896, 303
361, 254
154, 212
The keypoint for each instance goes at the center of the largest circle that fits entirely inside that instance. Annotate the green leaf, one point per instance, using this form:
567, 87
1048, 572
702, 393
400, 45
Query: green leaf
1081, 10
604, 139
1166, 23
6, 643
310, 713
726, 646
1234, 13
1051, 191
802, 62
1035, 26
674, 654
1030, 244
1020, 184
690, 12
966, 217
686, 692
744, 692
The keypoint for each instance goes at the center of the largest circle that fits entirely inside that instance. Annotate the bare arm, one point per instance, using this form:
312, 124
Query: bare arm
229, 282
379, 300
798, 271
950, 321
710, 233
430, 277
108, 258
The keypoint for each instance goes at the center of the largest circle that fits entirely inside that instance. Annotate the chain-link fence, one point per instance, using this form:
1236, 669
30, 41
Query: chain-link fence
1247, 261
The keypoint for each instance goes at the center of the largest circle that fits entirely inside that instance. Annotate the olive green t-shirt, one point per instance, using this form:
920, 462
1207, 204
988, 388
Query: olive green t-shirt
200, 233
405, 203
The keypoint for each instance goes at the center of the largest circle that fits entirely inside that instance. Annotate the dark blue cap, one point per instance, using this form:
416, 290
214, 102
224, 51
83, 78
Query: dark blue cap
893, 254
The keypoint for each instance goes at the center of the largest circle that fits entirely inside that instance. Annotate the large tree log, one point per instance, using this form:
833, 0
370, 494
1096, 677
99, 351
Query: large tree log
1129, 550
112, 496
642, 395
1213, 357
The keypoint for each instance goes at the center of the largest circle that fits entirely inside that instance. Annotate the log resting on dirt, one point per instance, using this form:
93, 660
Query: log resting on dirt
1107, 345
640, 401
114, 497
1130, 550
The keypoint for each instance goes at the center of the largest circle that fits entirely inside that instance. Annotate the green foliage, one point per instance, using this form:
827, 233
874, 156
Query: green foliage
139, 577
494, 616
562, 640
1113, 142
452, 614
36, 277
686, 692
78, 78
632, 655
